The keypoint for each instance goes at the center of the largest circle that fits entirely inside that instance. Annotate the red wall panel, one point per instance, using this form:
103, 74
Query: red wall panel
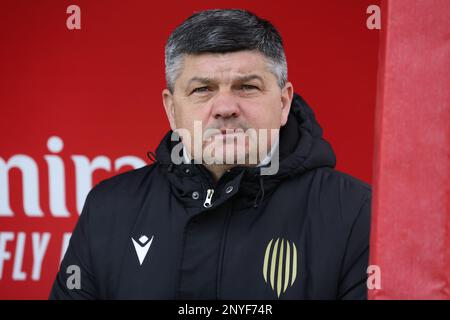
411, 214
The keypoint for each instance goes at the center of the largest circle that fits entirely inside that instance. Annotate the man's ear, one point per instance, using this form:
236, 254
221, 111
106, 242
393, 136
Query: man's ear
287, 94
169, 107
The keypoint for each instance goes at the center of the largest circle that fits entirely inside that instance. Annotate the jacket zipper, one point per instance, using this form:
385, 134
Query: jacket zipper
209, 195
209, 189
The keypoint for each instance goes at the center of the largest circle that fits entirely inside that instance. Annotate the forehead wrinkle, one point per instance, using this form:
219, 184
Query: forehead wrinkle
227, 78
223, 68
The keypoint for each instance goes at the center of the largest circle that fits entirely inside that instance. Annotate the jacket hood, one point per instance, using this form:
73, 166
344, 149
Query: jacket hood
301, 148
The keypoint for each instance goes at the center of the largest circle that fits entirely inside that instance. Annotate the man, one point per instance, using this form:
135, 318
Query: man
206, 222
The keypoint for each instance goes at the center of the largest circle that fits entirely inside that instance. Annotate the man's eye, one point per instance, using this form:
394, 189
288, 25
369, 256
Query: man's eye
200, 90
248, 87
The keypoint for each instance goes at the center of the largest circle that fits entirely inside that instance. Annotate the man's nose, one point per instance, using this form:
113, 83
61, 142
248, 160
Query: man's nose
225, 106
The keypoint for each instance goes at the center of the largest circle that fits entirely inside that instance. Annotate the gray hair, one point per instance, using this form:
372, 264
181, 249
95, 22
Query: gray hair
222, 31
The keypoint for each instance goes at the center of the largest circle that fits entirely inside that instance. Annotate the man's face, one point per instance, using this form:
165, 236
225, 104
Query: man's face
227, 91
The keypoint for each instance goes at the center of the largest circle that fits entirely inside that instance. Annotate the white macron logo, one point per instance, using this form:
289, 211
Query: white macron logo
142, 247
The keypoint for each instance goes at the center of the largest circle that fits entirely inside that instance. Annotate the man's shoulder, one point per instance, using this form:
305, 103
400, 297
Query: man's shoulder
128, 178
345, 180
339, 190
331, 178
116, 200
124, 184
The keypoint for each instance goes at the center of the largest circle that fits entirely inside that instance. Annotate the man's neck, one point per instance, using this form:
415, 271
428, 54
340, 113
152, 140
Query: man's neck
218, 170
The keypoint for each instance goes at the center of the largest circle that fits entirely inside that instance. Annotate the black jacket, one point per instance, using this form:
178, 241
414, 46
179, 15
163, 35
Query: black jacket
302, 233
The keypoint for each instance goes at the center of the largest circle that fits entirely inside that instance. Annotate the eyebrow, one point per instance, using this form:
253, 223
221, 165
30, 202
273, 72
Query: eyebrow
206, 80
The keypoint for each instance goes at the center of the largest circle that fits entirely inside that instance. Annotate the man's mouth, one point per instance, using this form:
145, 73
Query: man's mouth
228, 134
224, 133
231, 131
